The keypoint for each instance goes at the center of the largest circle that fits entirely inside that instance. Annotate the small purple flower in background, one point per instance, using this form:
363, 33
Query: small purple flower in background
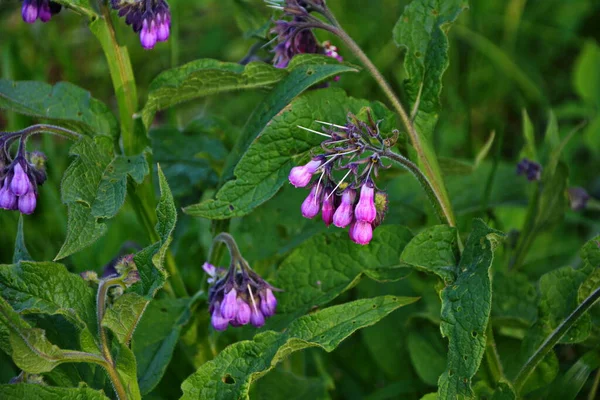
43, 10
295, 36
150, 18
20, 179
578, 197
336, 200
238, 296
531, 169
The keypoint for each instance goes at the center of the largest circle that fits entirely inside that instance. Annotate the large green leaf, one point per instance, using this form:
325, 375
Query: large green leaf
150, 261
206, 77
156, 337
422, 30
298, 80
94, 188
64, 104
515, 300
323, 267
230, 374
29, 348
282, 385
466, 306
123, 316
127, 369
435, 249
48, 288
112, 189
264, 167
22, 391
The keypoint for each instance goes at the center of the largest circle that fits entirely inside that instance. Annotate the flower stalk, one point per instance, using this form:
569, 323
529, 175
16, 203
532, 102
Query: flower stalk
553, 339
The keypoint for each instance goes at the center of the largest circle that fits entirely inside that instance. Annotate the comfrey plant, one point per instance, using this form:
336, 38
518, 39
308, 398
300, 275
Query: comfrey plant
238, 295
354, 200
486, 312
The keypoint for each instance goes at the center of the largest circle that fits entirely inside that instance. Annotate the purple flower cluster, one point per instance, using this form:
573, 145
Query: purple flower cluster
238, 296
150, 18
19, 180
296, 37
358, 204
531, 169
43, 10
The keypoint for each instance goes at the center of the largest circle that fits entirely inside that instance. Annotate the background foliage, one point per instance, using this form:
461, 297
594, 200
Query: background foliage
529, 71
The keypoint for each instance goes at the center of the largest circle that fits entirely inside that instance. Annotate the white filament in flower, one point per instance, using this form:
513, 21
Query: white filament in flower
338, 185
318, 186
330, 124
252, 298
313, 131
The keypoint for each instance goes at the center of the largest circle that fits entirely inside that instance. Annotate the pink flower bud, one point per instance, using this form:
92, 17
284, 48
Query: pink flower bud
328, 209
244, 312
27, 203
257, 318
8, 200
148, 34
29, 11
344, 214
217, 320
268, 303
312, 204
365, 210
301, 176
361, 232
229, 308
20, 184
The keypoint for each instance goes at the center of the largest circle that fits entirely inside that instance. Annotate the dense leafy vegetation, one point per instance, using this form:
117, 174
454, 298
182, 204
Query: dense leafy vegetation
299, 199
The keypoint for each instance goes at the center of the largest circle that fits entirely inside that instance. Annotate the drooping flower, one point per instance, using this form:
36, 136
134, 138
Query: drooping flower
19, 185
345, 212
312, 204
43, 10
328, 208
300, 176
239, 296
150, 18
365, 208
361, 232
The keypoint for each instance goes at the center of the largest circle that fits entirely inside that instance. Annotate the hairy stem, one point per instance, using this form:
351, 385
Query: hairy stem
103, 287
134, 140
426, 158
553, 339
425, 183
491, 355
41, 128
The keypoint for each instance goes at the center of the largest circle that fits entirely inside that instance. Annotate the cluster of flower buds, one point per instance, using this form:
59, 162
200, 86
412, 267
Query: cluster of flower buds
150, 18
531, 169
43, 10
238, 295
358, 204
20, 178
295, 36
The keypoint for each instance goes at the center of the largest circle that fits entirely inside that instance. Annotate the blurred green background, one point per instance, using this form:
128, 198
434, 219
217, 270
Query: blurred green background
505, 56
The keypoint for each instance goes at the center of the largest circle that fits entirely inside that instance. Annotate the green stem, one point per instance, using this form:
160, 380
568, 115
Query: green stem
425, 183
134, 140
123, 80
426, 156
594, 390
109, 364
42, 128
491, 355
553, 339
528, 233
